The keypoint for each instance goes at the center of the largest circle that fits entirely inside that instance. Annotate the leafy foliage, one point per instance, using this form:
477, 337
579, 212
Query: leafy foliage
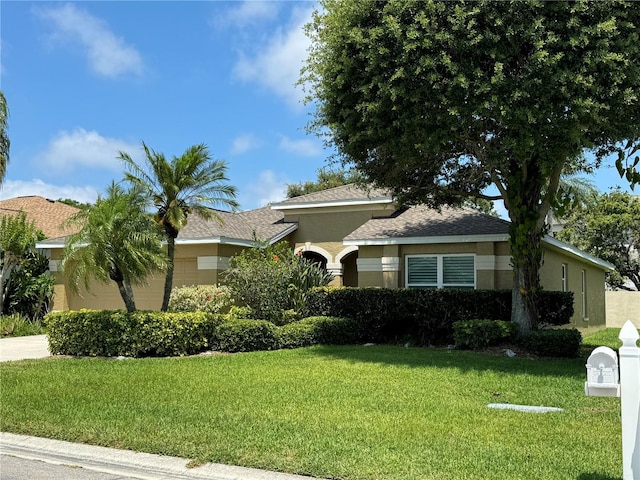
326, 179
190, 183
479, 334
18, 237
272, 281
30, 288
439, 100
318, 330
135, 334
425, 315
609, 229
16, 325
563, 343
245, 336
201, 298
117, 241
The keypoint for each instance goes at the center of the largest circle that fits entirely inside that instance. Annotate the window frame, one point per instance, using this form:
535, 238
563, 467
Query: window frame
440, 271
565, 278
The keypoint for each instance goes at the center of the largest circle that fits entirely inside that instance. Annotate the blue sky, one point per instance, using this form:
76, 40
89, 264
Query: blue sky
84, 80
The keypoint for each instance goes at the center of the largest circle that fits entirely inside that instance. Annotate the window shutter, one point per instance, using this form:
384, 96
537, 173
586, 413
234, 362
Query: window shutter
422, 270
458, 270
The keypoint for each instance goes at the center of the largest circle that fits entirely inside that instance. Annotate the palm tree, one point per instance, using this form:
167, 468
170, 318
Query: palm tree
4, 138
186, 184
117, 242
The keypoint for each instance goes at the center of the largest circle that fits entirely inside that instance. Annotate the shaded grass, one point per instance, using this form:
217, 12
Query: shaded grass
331, 412
607, 337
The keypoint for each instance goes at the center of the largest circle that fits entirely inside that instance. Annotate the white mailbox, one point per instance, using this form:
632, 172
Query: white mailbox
602, 373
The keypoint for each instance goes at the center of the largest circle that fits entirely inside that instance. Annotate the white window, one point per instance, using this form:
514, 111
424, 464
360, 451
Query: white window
565, 269
440, 271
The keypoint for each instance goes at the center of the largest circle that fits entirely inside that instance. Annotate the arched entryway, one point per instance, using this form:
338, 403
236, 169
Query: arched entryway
348, 259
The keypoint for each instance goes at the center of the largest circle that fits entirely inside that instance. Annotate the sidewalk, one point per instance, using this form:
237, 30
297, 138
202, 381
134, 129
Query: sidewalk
126, 462
20, 348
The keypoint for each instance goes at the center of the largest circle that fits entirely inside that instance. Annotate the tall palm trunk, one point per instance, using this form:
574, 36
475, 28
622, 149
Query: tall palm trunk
126, 292
168, 281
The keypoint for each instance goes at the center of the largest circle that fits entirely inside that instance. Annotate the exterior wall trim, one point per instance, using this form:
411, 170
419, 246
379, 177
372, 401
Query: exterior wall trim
493, 262
426, 240
213, 263
382, 264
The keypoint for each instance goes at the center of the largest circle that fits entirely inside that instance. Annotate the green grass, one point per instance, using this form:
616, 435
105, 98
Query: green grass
333, 412
607, 337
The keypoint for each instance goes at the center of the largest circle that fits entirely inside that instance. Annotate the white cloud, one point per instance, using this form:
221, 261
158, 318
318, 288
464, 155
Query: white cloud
107, 54
244, 143
81, 148
248, 13
20, 188
277, 65
269, 188
304, 147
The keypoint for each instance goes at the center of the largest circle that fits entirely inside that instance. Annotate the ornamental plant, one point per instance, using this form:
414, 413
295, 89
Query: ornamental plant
201, 298
273, 281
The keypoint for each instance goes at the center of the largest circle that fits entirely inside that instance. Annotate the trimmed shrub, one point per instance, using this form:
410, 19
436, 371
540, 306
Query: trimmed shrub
201, 298
245, 336
556, 342
318, 330
479, 334
115, 332
426, 315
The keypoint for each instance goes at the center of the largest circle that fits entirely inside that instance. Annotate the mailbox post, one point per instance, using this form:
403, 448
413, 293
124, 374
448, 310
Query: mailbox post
603, 374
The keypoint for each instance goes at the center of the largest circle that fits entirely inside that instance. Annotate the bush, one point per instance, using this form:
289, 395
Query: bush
425, 315
16, 325
245, 336
201, 298
554, 342
115, 332
273, 281
479, 334
318, 330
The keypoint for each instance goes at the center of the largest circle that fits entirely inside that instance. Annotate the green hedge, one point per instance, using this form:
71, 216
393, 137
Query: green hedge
112, 333
115, 332
427, 315
479, 334
554, 342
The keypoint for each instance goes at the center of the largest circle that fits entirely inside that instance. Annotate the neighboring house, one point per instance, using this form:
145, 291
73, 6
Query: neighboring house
48, 215
365, 240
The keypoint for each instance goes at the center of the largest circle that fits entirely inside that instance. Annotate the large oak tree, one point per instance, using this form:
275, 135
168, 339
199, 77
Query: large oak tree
438, 101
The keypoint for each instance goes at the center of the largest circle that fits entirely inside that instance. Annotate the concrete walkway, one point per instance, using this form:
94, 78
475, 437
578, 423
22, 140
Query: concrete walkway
20, 348
125, 463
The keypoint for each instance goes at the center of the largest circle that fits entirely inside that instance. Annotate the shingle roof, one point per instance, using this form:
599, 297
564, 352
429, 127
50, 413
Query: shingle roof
48, 215
421, 221
350, 193
265, 223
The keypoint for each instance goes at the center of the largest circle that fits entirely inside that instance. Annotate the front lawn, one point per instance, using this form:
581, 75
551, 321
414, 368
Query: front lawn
376, 412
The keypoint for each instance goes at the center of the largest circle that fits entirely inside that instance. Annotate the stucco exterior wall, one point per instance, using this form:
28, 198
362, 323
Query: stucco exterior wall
622, 306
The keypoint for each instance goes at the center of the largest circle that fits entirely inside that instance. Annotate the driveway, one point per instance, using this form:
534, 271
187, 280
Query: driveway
20, 348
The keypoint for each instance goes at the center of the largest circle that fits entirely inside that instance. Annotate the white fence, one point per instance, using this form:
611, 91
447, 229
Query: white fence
602, 380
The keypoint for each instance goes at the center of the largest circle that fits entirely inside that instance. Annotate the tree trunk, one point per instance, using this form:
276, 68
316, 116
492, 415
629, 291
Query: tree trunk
127, 295
168, 281
525, 237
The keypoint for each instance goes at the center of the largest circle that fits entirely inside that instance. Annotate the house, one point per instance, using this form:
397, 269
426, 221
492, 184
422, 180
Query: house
364, 239
48, 215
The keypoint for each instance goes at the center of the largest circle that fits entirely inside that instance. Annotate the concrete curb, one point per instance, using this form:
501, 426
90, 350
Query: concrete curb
145, 466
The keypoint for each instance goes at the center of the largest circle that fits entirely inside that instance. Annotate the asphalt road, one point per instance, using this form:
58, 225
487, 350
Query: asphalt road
14, 468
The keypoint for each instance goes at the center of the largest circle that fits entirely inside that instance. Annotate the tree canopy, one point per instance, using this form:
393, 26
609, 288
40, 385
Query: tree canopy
609, 229
117, 242
326, 178
439, 100
190, 183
